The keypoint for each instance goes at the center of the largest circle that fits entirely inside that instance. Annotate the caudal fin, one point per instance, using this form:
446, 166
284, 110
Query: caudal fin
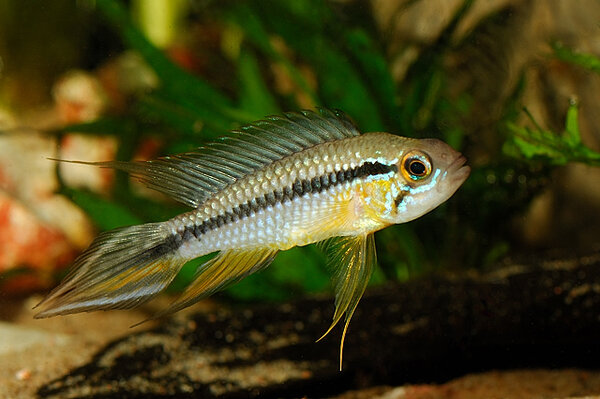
121, 269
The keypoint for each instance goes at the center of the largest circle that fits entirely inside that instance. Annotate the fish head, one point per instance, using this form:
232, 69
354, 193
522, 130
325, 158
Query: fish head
429, 172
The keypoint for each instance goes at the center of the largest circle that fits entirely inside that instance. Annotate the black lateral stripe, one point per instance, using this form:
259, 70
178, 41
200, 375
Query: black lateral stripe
298, 188
400, 197
170, 244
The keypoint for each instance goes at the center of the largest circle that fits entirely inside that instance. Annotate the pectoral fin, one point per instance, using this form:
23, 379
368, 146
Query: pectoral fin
351, 260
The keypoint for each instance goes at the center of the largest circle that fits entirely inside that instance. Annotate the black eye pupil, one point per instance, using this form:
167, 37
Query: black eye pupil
417, 168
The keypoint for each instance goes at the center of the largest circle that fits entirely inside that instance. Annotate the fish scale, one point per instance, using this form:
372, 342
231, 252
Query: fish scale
285, 181
299, 175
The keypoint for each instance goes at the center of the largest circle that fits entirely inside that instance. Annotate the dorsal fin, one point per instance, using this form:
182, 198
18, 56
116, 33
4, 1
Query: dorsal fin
192, 177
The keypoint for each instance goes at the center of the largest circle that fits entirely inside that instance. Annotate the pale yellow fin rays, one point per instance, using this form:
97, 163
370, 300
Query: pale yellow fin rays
219, 272
120, 270
332, 215
351, 261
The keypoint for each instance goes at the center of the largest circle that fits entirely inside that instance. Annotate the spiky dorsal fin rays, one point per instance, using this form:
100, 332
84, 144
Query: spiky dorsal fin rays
226, 268
351, 261
191, 178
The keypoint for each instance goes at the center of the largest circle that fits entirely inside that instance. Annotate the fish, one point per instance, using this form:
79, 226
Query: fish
288, 180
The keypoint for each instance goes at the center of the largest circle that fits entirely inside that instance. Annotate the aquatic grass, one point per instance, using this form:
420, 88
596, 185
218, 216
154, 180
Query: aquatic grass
177, 85
584, 60
548, 147
542, 145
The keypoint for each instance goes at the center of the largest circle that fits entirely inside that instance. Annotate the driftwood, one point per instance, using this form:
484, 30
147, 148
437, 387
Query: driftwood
531, 314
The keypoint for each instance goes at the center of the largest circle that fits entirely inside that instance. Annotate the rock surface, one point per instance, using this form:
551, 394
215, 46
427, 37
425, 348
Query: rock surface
33, 352
519, 384
534, 315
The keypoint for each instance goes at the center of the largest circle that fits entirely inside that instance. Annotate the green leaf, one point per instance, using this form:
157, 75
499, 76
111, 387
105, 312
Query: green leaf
401, 251
374, 70
293, 272
156, 108
340, 86
102, 126
587, 61
180, 86
551, 148
255, 97
255, 32
105, 214
341, 83
186, 274
572, 135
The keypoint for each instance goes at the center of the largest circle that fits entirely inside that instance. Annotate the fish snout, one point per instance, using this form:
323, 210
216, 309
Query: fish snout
457, 170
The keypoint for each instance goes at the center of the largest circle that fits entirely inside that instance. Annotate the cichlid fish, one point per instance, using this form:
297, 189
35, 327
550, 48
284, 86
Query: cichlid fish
286, 181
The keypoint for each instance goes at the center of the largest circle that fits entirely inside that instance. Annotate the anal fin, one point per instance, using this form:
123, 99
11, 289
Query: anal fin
227, 268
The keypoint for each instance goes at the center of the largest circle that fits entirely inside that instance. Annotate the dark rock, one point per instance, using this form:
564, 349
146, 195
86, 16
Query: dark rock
538, 314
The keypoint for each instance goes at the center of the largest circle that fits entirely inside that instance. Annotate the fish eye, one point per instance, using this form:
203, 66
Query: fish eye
416, 165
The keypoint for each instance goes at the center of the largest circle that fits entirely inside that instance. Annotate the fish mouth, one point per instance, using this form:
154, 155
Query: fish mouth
457, 170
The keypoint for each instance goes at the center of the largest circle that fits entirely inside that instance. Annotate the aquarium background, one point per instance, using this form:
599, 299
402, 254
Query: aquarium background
494, 294
512, 84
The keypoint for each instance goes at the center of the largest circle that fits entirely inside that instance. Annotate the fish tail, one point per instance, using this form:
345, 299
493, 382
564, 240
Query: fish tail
121, 269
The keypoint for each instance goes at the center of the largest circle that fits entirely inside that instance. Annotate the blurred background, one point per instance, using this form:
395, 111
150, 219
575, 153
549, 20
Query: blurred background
513, 84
